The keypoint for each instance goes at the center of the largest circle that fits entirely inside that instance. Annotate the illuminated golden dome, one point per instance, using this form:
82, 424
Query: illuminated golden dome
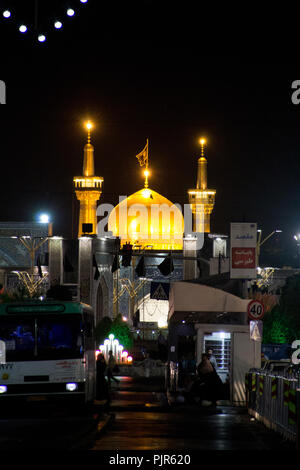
147, 220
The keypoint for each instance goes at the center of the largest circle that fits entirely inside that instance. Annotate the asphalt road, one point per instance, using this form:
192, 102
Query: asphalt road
143, 422
138, 419
46, 427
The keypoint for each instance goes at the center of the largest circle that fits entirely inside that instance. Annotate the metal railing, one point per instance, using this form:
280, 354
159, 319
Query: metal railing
275, 400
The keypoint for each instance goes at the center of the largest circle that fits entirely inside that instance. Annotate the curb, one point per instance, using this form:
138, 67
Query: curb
104, 421
87, 440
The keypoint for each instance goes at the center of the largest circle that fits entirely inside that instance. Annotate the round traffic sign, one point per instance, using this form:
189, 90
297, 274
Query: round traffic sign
255, 310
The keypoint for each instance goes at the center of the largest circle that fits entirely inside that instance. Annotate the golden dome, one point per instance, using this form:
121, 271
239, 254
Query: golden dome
147, 220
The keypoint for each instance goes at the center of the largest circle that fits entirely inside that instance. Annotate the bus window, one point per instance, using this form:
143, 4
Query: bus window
18, 337
59, 338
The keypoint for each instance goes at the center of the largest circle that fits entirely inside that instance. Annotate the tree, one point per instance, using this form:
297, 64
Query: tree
290, 304
276, 327
122, 332
282, 323
117, 327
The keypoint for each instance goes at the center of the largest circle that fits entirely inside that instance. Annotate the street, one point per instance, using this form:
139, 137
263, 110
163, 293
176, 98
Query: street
45, 426
140, 419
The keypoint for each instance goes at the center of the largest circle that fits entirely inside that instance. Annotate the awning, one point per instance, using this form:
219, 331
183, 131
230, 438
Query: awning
202, 303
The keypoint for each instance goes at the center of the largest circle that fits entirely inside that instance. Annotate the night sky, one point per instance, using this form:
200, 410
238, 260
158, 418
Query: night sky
119, 66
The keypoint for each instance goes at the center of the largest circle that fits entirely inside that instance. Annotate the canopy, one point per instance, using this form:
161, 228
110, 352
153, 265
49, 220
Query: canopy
196, 298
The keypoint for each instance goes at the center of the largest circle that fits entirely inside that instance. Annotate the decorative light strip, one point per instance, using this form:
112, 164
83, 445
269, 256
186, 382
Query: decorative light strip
41, 36
201, 192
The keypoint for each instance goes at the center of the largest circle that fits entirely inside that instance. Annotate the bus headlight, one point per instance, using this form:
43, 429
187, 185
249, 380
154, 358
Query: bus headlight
3, 388
71, 387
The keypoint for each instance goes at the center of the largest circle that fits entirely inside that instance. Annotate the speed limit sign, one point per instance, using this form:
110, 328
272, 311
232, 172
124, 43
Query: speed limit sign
255, 310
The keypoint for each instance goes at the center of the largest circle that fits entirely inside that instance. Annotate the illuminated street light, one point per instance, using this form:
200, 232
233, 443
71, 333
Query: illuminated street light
44, 219
58, 24
41, 38
7, 14
70, 12
23, 28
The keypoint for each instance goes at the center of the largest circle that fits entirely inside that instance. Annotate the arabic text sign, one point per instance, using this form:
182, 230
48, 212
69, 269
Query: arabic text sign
243, 240
243, 258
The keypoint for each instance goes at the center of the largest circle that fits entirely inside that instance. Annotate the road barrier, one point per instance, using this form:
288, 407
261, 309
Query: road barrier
275, 401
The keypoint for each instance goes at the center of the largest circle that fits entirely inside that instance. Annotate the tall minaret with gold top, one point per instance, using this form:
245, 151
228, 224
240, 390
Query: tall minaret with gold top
88, 189
201, 199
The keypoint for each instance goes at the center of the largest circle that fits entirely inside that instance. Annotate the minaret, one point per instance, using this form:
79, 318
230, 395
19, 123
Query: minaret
201, 199
88, 189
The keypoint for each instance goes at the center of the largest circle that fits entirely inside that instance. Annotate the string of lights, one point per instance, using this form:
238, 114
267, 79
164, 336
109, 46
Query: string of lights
10, 14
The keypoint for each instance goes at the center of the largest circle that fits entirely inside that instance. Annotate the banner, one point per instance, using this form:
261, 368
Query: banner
243, 239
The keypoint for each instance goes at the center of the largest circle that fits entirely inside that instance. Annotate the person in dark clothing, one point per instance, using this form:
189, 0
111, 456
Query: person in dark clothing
111, 366
101, 383
212, 358
162, 347
208, 384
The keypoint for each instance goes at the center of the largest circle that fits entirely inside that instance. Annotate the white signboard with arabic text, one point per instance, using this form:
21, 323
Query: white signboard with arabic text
243, 240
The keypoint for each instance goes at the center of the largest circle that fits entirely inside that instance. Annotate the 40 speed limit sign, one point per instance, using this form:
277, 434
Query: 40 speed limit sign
255, 310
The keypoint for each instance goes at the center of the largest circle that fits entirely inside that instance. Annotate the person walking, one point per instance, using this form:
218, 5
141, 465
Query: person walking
101, 383
111, 365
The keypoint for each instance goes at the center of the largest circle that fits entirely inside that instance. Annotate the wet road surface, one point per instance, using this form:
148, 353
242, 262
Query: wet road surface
45, 427
143, 421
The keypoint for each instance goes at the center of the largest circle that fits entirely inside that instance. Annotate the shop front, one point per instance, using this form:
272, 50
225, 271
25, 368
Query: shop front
205, 318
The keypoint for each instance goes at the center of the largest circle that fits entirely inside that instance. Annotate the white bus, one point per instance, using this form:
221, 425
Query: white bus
48, 351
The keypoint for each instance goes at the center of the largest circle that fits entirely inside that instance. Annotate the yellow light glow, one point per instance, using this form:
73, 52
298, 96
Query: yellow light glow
202, 141
146, 172
162, 323
202, 193
146, 193
89, 125
159, 224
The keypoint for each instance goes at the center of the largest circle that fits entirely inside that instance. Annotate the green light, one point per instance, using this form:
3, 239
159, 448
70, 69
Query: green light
35, 308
